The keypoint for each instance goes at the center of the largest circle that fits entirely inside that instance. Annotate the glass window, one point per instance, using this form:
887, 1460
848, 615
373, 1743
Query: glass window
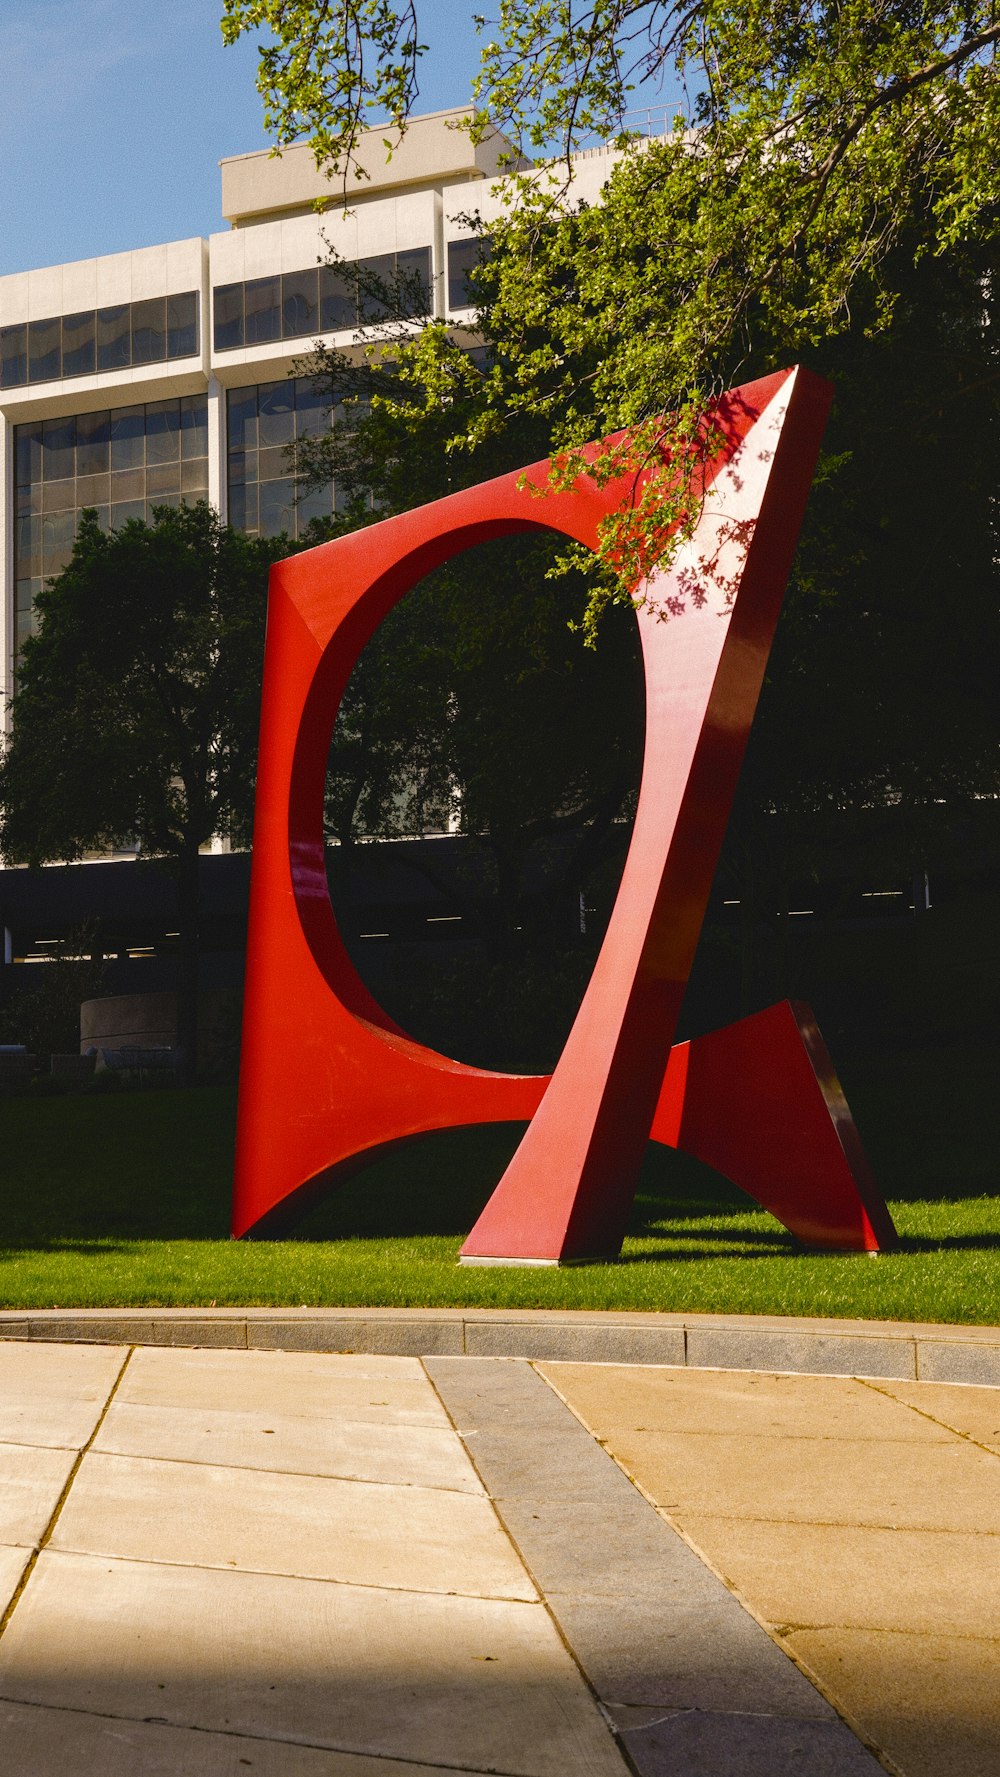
126, 510
318, 503
241, 419
13, 356
28, 500
93, 443
413, 271
127, 484
79, 344
338, 298
376, 280
182, 325
114, 339
128, 438
58, 449
59, 496
463, 258
163, 478
58, 532
263, 310
44, 350
228, 299
277, 507
194, 478
243, 466
149, 330
276, 411
28, 453
300, 303
28, 547
25, 622
92, 490
312, 409
194, 426
163, 431
273, 463
243, 508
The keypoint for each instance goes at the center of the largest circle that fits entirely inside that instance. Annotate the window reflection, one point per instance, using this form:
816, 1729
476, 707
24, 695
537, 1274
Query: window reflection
276, 412
13, 356
163, 431
44, 351
321, 299
79, 344
182, 325
299, 303
93, 443
338, 298
194, 426
464, 257
103, 339
149, 330
228, 301
262, 300
128, 438
119, 462
114, 337
261, 422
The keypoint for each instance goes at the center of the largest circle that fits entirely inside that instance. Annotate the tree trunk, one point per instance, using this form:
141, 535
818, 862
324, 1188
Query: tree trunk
188, 925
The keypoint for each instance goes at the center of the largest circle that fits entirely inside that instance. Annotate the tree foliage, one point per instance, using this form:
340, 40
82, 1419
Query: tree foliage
811, 143
137, 703
476, 701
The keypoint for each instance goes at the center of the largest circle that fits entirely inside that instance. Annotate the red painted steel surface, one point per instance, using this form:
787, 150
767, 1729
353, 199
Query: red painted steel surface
327, 1078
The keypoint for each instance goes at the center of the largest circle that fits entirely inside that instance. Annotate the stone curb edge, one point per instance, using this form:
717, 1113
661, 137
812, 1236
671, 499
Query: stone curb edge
892, 1350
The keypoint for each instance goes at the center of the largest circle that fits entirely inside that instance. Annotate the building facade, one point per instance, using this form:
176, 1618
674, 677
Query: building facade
168, 373
172, 373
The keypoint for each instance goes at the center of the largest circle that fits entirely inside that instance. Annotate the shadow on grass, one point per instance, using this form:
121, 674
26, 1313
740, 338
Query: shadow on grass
157, 1166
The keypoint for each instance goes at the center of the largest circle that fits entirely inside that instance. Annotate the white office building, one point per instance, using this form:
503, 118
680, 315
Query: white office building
168, 373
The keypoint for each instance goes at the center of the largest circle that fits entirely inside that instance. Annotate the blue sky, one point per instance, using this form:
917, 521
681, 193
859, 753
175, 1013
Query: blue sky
115, 114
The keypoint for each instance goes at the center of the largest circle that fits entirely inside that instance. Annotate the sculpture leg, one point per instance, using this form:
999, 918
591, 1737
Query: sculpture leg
759, 1101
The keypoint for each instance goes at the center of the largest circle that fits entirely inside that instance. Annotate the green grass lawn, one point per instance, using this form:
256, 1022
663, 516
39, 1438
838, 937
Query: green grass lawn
124, 1200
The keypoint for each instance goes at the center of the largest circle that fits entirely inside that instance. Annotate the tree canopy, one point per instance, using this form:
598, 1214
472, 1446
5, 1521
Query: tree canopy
815, 151
137, 704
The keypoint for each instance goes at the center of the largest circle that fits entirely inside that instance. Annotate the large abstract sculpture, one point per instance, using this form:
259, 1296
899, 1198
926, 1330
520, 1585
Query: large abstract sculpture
327, 1079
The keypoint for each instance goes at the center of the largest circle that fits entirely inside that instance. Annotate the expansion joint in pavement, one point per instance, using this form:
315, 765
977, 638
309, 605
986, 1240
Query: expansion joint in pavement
675, 1659
46, 1535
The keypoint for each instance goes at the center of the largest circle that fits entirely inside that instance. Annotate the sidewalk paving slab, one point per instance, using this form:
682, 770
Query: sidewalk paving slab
13, 1562
930, 1700
445, 1681
650, 1552
723, 1744
54, 1394
874, 1559
32, 1478
355, 1448
38, 1741
312, 1526
653, 1628
381, 1390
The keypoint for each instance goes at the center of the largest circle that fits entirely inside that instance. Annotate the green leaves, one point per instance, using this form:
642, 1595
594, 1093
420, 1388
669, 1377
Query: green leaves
329, 70
808, 142
137, 703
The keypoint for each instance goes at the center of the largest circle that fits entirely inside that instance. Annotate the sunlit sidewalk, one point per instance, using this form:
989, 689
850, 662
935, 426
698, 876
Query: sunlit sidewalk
219, 1561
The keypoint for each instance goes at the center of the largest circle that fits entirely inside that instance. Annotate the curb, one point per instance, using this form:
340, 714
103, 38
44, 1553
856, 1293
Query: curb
894, 1350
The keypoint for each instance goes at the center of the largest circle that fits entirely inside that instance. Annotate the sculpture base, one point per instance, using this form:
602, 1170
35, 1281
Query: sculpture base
475, 1260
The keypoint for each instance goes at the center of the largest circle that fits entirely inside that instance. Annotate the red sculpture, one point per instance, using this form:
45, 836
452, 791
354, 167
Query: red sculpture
327, 1079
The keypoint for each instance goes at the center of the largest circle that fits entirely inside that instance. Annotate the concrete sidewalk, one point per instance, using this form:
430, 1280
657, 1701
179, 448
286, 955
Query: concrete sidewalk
310, 1565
